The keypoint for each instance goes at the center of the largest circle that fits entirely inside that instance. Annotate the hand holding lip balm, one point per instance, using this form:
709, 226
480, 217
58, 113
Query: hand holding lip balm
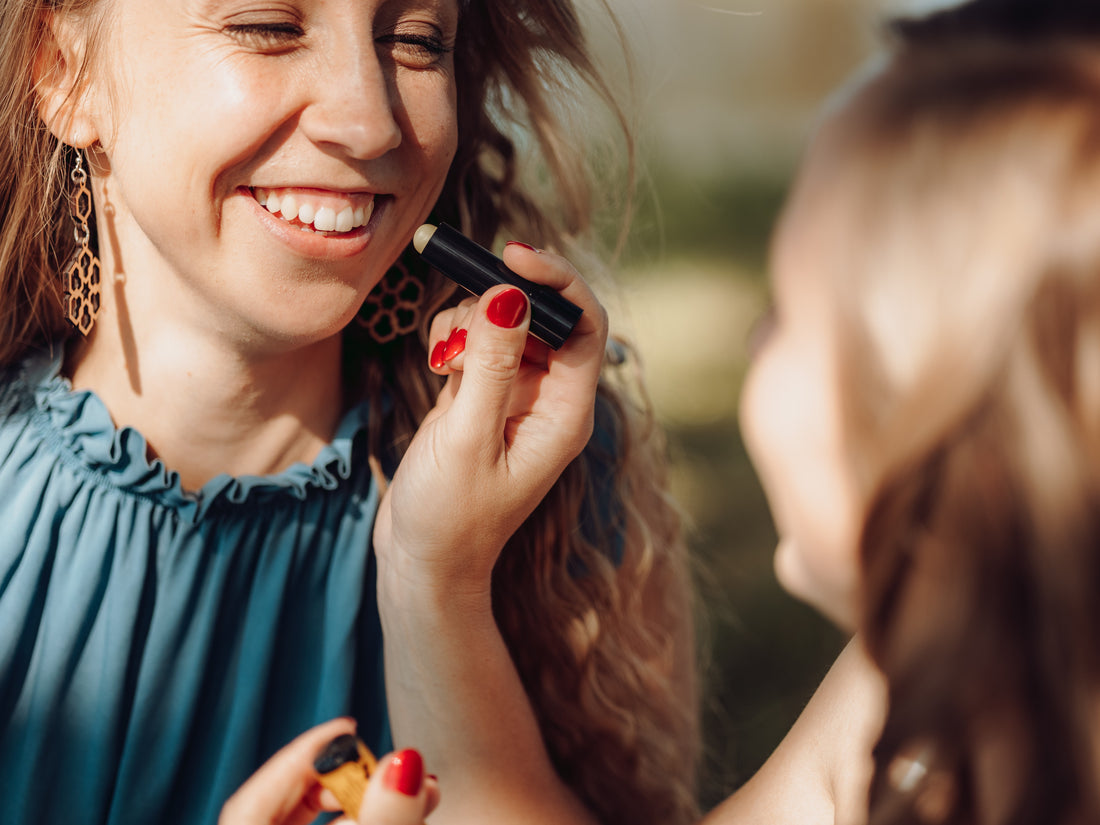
476, 269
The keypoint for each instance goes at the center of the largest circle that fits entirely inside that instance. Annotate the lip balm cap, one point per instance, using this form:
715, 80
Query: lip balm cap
476, 269
422, 236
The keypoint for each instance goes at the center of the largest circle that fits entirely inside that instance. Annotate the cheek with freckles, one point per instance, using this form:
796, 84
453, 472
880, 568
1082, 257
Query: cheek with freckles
427, 113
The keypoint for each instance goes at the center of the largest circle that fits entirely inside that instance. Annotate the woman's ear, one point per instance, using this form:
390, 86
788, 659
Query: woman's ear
60, 83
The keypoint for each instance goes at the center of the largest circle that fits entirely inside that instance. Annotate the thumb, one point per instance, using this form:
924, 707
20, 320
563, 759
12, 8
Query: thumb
397, 793
279, 791
493, 357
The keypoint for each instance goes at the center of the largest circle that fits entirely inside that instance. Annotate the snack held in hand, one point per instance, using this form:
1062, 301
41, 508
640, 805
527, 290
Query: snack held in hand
345, 766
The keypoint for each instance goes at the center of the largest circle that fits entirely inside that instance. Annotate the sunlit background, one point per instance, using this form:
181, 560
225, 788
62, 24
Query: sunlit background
729, 94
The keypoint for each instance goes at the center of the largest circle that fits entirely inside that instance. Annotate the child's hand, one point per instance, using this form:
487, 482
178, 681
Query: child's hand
512, 415
285, 790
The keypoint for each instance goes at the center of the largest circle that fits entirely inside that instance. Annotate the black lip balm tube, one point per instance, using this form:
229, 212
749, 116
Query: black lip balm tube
476, 269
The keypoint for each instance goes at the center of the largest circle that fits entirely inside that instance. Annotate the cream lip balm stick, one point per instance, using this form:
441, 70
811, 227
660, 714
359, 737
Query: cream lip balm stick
475, 269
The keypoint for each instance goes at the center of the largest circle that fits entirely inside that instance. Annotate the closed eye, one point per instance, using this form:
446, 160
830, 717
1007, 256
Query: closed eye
275, 37
415, 50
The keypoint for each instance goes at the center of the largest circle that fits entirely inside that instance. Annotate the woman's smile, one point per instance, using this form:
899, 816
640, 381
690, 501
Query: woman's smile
300, 158
317, 221
313, 210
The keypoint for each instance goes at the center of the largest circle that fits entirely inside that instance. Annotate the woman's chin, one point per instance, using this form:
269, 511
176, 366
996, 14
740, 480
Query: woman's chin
832, 599
307, 323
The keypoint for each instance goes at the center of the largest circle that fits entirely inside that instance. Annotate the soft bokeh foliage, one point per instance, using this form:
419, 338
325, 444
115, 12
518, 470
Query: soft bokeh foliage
730, 90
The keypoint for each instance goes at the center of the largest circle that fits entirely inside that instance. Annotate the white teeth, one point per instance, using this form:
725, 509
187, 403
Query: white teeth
314, 218
345, 220
289, 208
325, 219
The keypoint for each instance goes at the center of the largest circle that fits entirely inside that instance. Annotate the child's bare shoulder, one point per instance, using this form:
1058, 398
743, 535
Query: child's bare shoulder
821, 771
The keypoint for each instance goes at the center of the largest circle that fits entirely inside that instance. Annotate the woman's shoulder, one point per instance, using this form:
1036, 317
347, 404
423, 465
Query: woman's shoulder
18, 381
22, 386
59, 434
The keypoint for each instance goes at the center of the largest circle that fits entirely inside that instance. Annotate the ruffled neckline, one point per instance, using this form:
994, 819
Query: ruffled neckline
79, 422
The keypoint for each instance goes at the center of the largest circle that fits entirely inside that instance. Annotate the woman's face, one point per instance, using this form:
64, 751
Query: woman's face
790, 421
267, 160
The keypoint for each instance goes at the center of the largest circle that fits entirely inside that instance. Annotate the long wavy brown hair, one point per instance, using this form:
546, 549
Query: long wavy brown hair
969, 337
589, 589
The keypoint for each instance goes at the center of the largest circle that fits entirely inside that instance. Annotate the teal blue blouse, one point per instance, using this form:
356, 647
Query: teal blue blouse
157, 645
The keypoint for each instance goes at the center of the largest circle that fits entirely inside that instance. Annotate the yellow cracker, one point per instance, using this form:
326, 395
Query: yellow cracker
345, 766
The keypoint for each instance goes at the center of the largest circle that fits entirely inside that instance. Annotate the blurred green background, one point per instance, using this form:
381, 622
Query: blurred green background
729, 93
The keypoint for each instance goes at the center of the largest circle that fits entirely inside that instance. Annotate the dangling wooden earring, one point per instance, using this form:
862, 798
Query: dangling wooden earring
81, 280
393, 307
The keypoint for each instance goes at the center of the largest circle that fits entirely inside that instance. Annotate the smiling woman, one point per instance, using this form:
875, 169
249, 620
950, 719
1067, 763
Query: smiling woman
292, 99
236, 504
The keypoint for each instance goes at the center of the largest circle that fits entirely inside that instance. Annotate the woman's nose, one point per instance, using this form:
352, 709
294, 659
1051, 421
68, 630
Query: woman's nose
352, 106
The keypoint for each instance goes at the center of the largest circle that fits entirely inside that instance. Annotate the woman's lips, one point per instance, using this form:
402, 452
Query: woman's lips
315, 210
360, 212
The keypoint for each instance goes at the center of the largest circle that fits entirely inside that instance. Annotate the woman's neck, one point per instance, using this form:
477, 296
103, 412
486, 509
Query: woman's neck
206, 408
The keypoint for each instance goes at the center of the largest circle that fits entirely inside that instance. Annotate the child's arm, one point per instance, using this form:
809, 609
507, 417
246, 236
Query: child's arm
820, 773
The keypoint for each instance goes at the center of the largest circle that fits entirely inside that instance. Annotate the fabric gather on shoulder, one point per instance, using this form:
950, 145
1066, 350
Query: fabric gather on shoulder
79, 426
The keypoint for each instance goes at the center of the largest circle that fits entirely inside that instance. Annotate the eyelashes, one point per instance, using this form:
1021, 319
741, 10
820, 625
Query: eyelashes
267, 37
429, 45
413, 49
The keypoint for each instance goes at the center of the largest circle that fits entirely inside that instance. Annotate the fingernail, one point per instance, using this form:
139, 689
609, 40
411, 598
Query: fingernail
508, 308
524, 245
455, 344
438, 360
405, 773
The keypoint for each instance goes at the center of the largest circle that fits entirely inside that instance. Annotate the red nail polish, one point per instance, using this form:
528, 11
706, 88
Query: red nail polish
437, 360
405, 773
522, 244
507, 309
455, 344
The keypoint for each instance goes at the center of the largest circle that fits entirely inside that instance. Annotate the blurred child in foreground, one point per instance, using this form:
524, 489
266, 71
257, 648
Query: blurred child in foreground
924, 413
